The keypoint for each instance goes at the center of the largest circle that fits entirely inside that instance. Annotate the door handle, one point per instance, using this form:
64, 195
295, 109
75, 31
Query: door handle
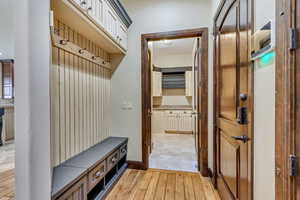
243, 138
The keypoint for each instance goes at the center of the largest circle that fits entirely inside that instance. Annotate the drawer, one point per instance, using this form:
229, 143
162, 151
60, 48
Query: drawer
96, 175
123, 150
112, 160
78, 190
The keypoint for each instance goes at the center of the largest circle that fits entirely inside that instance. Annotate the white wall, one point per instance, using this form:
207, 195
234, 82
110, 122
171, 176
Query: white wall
264, 114
6, 30
173, 60
148, 16
173, 96
32, 102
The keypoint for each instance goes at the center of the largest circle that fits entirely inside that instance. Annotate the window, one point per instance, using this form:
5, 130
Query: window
7, 79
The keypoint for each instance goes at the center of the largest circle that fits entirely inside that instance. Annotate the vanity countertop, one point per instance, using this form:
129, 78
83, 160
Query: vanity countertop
173, 107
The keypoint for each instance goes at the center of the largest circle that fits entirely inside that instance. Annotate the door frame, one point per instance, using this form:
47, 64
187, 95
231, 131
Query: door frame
286, 98
146, 92
226, 4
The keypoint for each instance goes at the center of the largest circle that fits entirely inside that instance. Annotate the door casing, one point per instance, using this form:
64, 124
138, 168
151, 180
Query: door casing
146, 92
287, 109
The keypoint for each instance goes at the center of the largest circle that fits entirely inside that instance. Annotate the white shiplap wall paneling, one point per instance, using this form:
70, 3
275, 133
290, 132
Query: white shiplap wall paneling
80, 96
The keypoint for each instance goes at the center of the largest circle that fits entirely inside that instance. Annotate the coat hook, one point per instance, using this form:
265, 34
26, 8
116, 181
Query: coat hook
81, 51
63, 42
95, 57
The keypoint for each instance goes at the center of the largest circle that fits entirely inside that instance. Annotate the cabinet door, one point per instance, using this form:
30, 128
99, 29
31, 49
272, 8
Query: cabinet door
122, 35
76, 192
99, 10
172, 121
78, 2
111, 21
185, 121
189, 83
157, 84
83, 3
91, 8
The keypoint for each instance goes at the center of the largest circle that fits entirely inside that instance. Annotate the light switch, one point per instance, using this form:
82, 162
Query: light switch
127, 105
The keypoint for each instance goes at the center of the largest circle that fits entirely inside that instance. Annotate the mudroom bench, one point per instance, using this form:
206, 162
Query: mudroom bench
91, 174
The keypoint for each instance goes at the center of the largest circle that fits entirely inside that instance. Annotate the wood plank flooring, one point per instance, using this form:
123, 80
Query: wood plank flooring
162, 185
7, 185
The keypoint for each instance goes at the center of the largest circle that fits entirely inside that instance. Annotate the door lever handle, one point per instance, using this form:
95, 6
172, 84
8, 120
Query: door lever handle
243, 138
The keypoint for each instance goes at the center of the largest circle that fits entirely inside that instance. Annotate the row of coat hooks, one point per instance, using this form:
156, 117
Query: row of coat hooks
74, 49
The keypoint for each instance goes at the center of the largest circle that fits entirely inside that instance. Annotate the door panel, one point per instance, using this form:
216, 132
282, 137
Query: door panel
228, 51
229, 150
233, 105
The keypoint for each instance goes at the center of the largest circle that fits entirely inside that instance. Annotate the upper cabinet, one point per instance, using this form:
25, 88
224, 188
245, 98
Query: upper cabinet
157, 84
189, 88
104, 22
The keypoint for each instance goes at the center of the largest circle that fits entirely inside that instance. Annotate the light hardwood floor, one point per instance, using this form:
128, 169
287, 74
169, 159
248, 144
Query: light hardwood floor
7, 176
163, 185
7, 185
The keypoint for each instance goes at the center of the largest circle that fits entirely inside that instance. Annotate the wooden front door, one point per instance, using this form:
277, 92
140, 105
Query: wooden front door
233, 100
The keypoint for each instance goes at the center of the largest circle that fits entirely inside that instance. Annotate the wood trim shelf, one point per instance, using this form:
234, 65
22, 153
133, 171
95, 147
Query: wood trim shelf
61, 43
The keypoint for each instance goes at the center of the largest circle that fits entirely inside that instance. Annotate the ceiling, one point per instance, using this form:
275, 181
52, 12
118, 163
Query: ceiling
171, 47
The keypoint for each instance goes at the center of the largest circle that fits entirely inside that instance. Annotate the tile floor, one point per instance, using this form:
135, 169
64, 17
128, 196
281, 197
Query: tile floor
173, 152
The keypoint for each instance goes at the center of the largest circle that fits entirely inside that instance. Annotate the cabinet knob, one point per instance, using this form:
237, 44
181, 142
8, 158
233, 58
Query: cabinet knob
89, 8
123, 150
114, 159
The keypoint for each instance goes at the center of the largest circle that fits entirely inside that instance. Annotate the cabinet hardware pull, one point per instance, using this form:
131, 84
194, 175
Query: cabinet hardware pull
83, 3
114, 159
98, 174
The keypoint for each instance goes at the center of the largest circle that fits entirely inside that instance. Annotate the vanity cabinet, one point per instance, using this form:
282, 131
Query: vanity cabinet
172, 121
179, 122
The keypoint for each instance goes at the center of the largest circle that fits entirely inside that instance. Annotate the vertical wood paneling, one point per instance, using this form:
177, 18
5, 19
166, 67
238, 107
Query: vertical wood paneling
80, 98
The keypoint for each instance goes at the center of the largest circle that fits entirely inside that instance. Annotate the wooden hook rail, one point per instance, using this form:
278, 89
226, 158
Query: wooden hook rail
74, 49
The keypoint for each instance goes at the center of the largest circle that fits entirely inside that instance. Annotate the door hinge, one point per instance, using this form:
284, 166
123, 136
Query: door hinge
293, 165
292, 39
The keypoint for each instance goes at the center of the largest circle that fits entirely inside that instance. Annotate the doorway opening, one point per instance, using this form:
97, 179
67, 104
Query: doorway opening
174, 100
174, 105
